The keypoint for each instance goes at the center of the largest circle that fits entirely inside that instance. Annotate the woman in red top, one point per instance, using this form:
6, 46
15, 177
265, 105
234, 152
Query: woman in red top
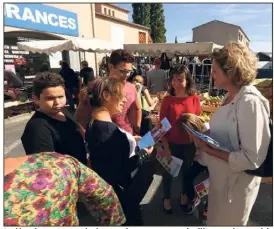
182, 99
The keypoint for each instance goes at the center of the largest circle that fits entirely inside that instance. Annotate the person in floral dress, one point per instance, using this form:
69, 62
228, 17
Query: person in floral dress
43, 189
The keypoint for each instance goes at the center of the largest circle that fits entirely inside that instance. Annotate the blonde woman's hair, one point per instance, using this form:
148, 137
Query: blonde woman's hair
114, 87
237, 62
191, 120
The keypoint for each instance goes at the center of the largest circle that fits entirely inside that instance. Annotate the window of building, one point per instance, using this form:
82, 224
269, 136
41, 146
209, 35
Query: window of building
240, 37
105, 10
113, 14
247, 44
109, 12
142, 38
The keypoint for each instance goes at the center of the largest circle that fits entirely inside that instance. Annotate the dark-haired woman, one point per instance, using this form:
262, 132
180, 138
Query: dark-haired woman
112, 149
182, 99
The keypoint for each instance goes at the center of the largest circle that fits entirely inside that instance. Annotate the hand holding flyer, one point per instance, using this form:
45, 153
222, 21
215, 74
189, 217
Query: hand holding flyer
213, 143
153, 136
172, 165
202, 188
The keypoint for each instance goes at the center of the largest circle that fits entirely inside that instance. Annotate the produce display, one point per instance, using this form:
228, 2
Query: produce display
206, 116
265, 86
211, 103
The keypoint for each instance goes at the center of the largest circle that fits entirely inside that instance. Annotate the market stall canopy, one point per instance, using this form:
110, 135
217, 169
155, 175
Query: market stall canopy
52, 46
172, 49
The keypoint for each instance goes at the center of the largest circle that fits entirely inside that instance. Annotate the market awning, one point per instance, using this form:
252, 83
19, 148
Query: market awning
172, 49
52, 46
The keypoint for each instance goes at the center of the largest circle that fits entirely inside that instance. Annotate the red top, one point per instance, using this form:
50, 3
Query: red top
172, 108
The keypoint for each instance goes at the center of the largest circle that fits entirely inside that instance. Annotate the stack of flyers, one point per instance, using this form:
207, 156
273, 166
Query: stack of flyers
206, 139
172, 165
153, 136
202, 188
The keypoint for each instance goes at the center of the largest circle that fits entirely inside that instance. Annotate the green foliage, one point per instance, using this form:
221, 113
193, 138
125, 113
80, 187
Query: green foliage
152, 16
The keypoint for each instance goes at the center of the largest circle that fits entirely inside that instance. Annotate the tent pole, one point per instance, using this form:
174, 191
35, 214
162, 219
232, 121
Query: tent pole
96, 64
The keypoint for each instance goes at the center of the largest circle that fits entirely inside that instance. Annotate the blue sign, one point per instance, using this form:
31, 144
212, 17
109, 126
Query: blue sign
42, 18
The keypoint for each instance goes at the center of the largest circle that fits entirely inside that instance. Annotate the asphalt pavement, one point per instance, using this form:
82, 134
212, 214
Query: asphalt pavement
261, 215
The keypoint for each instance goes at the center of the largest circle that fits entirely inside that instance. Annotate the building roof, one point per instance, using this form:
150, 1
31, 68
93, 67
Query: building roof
223, 23
121, 21
116, 7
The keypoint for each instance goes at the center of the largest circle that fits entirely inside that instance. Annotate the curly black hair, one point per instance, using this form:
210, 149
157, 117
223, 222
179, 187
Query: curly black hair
120, 55
45, 80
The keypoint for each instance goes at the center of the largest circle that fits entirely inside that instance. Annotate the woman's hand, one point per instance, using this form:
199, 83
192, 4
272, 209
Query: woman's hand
137, 138
155, 100
149, 150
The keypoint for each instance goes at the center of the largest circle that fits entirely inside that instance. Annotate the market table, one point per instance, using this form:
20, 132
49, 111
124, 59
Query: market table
13, 108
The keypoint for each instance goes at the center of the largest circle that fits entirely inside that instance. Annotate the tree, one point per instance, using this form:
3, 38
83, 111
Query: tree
151, 15
141, 14
176, 41
157, 25
136, 16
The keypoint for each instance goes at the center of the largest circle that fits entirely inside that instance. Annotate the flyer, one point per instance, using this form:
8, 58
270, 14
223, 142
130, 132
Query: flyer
172, 165
153, 136
206, 139
202, 188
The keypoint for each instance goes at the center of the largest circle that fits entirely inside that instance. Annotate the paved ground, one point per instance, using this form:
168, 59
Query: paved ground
261, 215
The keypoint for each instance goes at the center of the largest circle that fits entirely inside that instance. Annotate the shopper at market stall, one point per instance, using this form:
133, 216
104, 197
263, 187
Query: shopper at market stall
182, 99
157, 78
146, 102
86, 74
42, 190
71, 84
112, 150
241, 124
45, 67
120, 68
13, 81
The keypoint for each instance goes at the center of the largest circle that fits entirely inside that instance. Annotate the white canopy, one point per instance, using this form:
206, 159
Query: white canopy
52, 46
171, 49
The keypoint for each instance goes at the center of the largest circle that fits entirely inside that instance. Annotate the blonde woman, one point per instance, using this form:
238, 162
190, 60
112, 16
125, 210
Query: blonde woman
242, 125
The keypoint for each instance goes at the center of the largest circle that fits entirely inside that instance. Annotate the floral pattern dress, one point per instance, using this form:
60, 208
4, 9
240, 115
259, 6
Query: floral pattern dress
44, 191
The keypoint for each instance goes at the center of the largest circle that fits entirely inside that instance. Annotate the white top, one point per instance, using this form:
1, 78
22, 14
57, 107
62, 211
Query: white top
247, 114
132, 144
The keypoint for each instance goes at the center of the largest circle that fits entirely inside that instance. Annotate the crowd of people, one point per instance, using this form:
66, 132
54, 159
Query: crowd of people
89, 162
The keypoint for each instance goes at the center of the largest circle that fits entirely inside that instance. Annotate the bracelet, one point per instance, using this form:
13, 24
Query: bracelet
143, 155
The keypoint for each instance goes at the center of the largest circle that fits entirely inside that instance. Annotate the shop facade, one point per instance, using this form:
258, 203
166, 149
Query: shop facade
53, 21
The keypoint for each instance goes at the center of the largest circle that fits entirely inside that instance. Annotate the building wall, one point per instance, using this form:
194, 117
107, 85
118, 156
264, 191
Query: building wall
131, 34
218, 33
128, 34
85, 22
100, 8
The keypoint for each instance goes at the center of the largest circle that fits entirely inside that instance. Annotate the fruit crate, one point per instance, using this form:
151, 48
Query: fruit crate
207, 108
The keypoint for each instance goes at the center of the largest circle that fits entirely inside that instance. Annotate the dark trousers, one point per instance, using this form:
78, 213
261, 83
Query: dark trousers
131, 208
193, 172
70, 92
186, 153
146, 124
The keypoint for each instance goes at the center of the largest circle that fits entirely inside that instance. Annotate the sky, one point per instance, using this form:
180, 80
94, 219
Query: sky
254, 19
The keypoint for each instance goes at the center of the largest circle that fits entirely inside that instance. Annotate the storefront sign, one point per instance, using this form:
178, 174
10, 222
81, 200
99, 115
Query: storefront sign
42, 18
